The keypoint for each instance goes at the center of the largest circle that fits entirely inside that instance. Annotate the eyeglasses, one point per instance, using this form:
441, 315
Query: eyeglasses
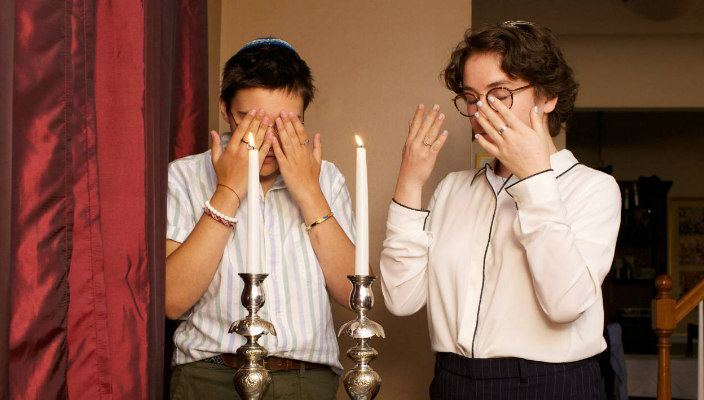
466, 103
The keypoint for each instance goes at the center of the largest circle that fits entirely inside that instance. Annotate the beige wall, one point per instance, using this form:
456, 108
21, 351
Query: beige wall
373, 62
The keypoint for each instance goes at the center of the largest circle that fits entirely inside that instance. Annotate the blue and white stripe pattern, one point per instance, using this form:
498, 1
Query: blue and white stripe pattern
297, 302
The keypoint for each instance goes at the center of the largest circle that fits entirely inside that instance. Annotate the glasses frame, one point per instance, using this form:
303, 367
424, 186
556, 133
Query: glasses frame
464, 112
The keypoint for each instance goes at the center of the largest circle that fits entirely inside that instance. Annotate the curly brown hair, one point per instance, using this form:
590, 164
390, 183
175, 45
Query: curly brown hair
528, 52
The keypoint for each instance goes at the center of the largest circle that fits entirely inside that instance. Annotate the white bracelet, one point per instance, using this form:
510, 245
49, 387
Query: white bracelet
231, 220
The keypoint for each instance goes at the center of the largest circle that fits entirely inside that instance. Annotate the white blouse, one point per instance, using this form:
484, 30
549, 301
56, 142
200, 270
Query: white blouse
510, 269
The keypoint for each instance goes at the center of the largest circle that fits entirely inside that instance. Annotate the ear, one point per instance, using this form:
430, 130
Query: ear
549, 105
223, 111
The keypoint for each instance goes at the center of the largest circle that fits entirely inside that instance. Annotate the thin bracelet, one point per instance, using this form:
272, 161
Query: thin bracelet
209, 210
319, 221
233, 191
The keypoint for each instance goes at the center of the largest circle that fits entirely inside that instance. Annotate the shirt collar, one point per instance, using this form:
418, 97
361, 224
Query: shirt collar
560, 162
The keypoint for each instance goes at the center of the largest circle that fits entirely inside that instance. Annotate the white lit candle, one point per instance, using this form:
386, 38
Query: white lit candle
252, 265
361, 256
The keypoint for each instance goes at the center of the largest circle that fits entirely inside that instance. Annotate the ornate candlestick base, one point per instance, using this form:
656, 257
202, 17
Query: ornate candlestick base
252, 379
362, 382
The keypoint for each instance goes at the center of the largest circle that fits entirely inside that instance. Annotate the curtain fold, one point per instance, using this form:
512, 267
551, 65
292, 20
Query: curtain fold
7, 39
95, 91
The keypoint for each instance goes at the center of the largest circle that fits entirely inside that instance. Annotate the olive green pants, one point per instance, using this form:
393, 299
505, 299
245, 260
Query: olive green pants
202, 380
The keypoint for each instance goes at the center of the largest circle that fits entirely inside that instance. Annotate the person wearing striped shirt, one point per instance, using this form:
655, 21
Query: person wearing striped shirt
265, 90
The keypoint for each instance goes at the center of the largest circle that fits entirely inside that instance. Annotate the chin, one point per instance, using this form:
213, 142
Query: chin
269, 170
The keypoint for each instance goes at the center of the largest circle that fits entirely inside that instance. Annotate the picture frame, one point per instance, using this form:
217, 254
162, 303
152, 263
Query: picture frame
685, 219
482, 159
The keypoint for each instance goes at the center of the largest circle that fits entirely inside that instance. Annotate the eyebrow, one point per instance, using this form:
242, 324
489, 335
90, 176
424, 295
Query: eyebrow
491, 85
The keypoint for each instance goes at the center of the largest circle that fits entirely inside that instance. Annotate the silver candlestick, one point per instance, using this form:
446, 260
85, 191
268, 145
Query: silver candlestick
362, 382
252, 379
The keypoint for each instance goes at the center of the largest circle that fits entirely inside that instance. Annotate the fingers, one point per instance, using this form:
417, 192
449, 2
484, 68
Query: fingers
243, 126
491, 148
286, 131
414, 124
298, 128
260, 133
429, 120
431, 135
216, 148
266, 145
278, 151
489, 129
502, 116
317, 148
437, 145
538, 121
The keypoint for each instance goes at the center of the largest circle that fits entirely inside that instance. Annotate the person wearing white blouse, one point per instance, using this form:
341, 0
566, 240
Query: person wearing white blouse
509, 259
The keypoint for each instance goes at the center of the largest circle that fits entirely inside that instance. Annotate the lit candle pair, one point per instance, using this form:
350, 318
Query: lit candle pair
361, 260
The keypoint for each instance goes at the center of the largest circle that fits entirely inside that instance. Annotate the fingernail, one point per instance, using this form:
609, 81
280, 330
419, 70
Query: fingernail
479, 103
283, 114
435, 107
475, 137
261, 111
491, 99
265, 120
444, 133
476, 115
291, 114
441, 116
535, 109
420, 106
252, 112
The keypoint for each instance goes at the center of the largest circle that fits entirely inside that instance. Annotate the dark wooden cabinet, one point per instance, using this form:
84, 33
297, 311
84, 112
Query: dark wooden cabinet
641, 254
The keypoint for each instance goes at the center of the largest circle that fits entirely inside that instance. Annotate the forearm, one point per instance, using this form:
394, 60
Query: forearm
569, 252
404, 260
190, 266
332, 247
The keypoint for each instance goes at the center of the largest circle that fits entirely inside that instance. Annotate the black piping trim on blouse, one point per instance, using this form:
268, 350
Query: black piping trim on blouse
568, 169
486, 251
427, 212
482, 169
528, 177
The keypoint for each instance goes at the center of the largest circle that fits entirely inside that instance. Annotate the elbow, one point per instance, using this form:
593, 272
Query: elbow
172, 311
559, 312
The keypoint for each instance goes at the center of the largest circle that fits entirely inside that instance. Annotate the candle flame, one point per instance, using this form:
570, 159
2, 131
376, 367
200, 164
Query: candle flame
251, 139
360, 143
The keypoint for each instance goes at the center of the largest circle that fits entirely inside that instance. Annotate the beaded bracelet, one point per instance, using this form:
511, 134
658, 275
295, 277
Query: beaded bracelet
209, 210
319, 221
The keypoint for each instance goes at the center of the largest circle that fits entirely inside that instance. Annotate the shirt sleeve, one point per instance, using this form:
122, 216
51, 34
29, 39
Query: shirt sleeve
569, 246
180, 219
404, 258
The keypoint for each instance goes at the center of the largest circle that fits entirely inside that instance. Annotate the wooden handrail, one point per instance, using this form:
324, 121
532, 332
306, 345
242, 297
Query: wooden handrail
690, 300
666, 314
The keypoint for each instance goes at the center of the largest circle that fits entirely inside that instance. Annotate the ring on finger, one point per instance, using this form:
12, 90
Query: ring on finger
305, 142
503, 129
426, 142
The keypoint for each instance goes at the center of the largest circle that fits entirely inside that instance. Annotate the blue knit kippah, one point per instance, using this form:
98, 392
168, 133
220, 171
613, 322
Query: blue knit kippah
268, 41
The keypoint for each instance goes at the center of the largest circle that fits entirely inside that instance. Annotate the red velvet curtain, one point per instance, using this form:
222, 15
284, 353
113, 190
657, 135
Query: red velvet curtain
97, 91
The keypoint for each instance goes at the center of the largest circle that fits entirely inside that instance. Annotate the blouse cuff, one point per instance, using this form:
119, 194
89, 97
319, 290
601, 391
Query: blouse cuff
535, 189
405, 218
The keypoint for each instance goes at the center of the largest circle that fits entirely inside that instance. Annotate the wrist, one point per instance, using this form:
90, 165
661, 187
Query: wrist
409, 195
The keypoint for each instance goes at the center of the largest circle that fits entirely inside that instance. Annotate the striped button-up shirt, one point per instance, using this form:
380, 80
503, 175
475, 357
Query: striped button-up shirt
297, 301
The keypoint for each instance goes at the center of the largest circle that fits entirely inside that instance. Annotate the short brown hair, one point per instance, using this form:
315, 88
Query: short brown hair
528, 52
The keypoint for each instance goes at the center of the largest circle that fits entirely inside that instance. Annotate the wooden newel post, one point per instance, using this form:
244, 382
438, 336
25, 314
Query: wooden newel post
664, 324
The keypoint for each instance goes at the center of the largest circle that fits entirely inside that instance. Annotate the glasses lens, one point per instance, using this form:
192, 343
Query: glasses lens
466, 104
501, 94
